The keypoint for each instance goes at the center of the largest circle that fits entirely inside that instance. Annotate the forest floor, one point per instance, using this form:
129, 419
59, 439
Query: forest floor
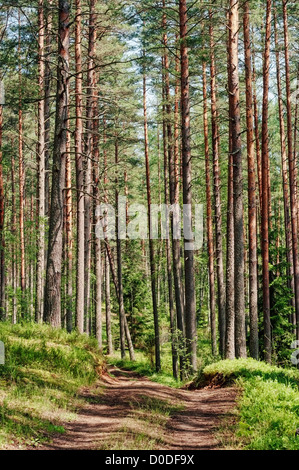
124, 411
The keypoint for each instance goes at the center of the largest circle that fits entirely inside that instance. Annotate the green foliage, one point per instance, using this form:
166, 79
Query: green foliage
268, 405
44, 367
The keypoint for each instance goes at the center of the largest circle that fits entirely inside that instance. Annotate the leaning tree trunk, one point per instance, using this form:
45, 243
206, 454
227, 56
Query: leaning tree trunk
121, 307
52, 309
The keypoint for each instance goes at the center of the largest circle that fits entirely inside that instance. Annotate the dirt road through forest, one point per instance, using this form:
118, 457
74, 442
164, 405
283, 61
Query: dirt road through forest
126, 411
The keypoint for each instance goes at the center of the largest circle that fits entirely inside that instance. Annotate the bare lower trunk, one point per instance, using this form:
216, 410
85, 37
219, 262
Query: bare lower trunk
240, 338
292, 168
230, 252
97, 241
40, 262
265, 192
190, 303
21, 187
151, 246
52, 309
168, 177
79, 175
2, 239
209, 219
217, 197
252, 221
284, 171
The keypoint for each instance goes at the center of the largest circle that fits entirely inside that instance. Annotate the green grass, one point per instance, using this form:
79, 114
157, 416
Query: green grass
267, 413
143, 368
44, 369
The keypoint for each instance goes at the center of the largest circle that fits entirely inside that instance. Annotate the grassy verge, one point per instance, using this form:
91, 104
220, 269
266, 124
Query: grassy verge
267, 414
44, 368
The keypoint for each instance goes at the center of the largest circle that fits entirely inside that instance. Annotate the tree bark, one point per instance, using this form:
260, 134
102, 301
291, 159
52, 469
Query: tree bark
240, 338
209, 217
217, 195
252, 221
52, 308
97, 241
80, 272
151, 245
2, 214
284, 171
88, 160
292, 168
230, 251
40, 262
21, 185
265, 193
190, 304
107, 266
168, 178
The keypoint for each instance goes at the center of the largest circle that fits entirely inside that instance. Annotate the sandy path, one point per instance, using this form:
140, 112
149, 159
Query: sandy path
108, 411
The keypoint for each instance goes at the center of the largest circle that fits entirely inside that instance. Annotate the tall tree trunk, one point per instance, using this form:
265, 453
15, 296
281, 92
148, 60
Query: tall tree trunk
120, 299
168, 177
69, 234
14, 234
217, 195
40, 262
119, 262
190, 303
21, 183
47, 101
209, 218
175, 199
240, 338
252, 221
230, 250
151, 245
52, 309
97, 241
88, 160
107, 266
284, 171
80, 272
256, 133
292, 167
265, 193
2, 212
